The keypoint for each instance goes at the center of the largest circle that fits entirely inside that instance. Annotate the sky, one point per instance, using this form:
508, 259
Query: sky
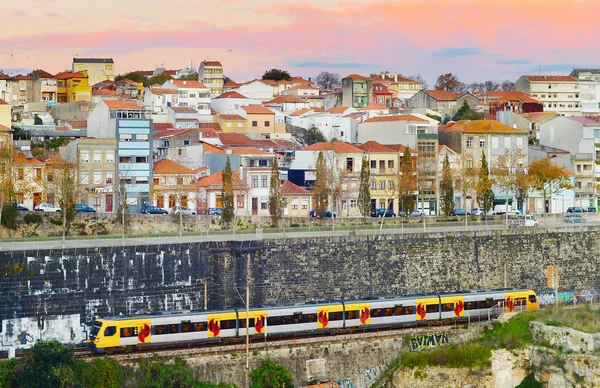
475, 39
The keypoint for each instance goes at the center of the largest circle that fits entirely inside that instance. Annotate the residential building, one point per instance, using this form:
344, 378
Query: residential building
529, 122
255, 170
173, 183
182, 117
518, 102
384, 164
104, 94
381, 95
131, 125
261, 120
5, 114
230, 102
73, 87
210, 74
96, 161
441, 101
19, 90
558, 93
210, 193
30, 182
158, 100
43, 85
230, 85
191, 94
287, 104
97, 69
397, 129
558, 203
304, 90
232, 123
356, 91
401, 87
297, 200
336, 124
256, 90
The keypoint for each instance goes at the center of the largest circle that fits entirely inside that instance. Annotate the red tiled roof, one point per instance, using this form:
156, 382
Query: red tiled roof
216, 179
2, 102
211, 128
20, 159
68, 74
236, 140
268, 82
354, 115
170, 132
231, 83
338, 109
161, 126
584, 120
300, 112
410, 118
212, 63
536, 116
231, 117
61, 128
231, 94
285, 99
397, 147
355, 76
185, 119
441, 148
247, 151
551, 78
373, 146
374, 107
21, 77
185, 84
442, 95
163, 91
337, 146
278, 144
211, 148
391, 78
290, 189
184, 109
123, 104
2, 127
39, 73
166, 166
105, 92
479, 126
256, 109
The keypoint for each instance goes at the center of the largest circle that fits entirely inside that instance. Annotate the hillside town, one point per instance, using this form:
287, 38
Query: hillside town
347, 146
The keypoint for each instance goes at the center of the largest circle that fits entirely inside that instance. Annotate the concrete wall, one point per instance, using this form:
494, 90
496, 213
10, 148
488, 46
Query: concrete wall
93, 282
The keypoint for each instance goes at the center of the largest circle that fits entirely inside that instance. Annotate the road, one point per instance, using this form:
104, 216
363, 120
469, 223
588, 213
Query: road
554, 225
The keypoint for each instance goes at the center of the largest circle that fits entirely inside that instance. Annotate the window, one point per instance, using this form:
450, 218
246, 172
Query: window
141, 138
382, 185
263, 205
519, 142
97, 177
390, 164
240, 201
124, 137
38, 174
267, 123
295, 203
255, 123
373, 164
263, 181
84, 156
469, 143
179, 180
97, 156
373, 185
481, 143
21, 173
110, 331
350, 164
353, 203
390, 185
156, 181
109, 156
109, 177
494, 141
507, 142
186, 142
192, 95
254, 180
128, 332
141, 180
84, 178
433, 308
141, 159
124, 159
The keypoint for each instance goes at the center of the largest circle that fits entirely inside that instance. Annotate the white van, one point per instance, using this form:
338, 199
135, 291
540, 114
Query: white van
528, 220
503, 209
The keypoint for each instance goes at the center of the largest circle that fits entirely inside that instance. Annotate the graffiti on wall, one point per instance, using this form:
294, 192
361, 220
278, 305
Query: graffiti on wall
372, 373
423, 342
546, 298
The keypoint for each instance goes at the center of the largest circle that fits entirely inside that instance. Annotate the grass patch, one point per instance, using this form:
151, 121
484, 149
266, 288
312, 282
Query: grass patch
459, 356
514, 334
581, 318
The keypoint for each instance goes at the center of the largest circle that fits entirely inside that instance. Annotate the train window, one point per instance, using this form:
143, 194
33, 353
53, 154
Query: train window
469, 305
110, 331
336, 316
480, 304
128, 332
160, 329
309, 318
398, 310
286, 320
228, 324
352, 314
409, 310
448, 307
199, 326
186, 327
433, 308
243, 322
532, 298
273, 321
520, 301
297, 317
388, 312
376, 312
489, 302
173, 329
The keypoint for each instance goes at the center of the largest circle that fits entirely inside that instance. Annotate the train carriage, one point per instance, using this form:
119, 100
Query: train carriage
305, 317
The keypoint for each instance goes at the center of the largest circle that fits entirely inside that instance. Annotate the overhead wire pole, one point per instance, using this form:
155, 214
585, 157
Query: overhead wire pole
247, 317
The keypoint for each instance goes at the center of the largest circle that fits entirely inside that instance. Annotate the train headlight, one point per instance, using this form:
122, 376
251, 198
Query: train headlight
97, 339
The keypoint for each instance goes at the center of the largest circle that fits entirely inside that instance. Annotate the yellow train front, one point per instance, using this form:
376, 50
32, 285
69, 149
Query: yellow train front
123, 333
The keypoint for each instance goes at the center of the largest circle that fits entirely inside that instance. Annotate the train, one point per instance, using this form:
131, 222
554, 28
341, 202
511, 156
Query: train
124, 333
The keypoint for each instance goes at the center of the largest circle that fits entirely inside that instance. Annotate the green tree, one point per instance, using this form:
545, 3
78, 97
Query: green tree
548, 179
276, 75
449, 82
132, 76
37, 120
158, 374
483, 188
48, 366
320, 189
189, 77
158, 79
364, 189
227, 193
447, 188
313, 135
275, 196
271, 375
408, 182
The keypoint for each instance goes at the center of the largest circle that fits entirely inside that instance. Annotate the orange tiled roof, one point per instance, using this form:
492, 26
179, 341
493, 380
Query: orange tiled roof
356, 76
256, 109
285, 99
105, 92
231, 83
163, 91
247, 151
289, 189
183, 109
442, 147
20, 159
397, 147
337, 146
2, 102
191, 84
78, 123
123, 104
216, 179
166, 166
236, 140
338, 109
354, 115
211, 63
211, 148
374, 107
551, 78
39, 73
480, 126
231, 117
231, 94
303, 87
68, 74
268, 82
373, 146
161, 126
442, 95
61, 128
410, 118
210, 128
300, 112
537, 116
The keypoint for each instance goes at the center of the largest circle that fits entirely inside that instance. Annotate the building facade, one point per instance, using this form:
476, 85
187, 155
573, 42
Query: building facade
210, 74
98, 69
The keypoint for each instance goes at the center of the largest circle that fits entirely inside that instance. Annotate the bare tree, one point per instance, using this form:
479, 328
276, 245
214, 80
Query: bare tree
420, 79
61, 181
508, 85
466, 179
329, 81
449, 82
491, 86
476, 87
505, 174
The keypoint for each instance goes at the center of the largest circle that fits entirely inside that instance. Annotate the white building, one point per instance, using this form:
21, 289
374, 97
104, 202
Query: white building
557, 93
191, 94
157, 100
229, 103
210, 74
256, 90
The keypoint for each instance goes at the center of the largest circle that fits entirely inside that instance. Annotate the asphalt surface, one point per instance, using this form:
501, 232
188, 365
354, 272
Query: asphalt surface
553, 224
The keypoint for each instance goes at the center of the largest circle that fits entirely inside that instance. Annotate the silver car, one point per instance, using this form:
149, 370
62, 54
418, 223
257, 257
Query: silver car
574, 218
184, 210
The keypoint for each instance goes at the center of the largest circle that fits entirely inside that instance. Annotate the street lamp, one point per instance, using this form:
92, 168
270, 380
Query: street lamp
96, 203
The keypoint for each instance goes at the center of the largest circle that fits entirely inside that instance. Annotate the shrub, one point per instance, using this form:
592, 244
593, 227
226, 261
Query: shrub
56, 221
32, 218
9, 216
271, 375
158, 374
530, 382
513, 334
461, 356
49, 365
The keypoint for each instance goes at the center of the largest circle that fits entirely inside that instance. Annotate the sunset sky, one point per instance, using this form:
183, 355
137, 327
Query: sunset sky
475, 39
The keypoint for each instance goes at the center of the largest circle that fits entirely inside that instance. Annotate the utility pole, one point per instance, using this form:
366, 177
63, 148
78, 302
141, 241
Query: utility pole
205, 281
247, 317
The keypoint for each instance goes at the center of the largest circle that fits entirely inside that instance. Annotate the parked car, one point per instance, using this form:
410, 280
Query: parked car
22, 208
458, 212
477, 212
47, 207
328, 214
184, 210
383, 213
153, 210
574, 209
527, 220
81, 208
214, 211
591, 209
503, 209
416, 213
314, 213
574, 218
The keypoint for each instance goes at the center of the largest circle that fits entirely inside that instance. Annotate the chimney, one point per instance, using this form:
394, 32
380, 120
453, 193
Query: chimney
395, 77
228, 151
185, 82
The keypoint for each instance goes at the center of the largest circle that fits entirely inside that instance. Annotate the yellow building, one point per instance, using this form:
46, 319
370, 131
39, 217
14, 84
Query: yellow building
98, 69
232, 123
5, 113
261, 120
72, 87
296, 199
384, 164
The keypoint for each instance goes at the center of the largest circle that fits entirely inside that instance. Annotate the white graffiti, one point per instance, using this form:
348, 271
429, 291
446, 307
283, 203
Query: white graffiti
372, 373
547, 298
587, 296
